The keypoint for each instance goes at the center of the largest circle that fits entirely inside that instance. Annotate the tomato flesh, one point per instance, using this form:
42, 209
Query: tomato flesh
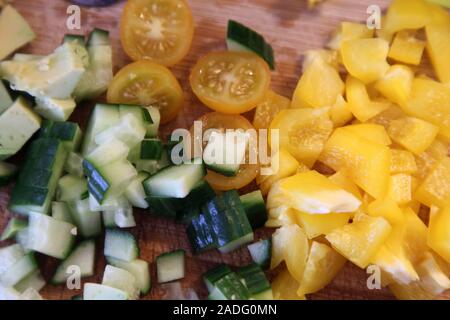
157, 30
146, 83
230, 82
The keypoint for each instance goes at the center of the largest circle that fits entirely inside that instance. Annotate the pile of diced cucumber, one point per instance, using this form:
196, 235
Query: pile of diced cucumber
74, 187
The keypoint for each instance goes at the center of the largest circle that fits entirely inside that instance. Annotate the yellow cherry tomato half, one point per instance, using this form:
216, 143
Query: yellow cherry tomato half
230, 82
247, 172
157, 30
148, 84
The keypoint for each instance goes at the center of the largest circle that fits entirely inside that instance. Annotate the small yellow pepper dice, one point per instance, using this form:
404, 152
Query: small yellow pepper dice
435, 188
396, 84
402, 161
439, 232
406, 14
438, 48
414, 134
400, 188
406, 48
365, 59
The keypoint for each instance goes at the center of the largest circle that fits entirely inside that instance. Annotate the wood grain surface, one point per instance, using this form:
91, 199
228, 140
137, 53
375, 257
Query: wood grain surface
288, 25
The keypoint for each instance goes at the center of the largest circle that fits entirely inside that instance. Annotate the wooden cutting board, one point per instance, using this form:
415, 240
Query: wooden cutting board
288, 25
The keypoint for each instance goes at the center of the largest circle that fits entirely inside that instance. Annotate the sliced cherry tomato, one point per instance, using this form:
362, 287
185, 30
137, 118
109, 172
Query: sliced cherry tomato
157, 30
230, 82
247, 172
147, 83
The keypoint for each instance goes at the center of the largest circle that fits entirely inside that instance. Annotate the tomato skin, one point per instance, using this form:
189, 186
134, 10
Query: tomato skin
142, 46
230, 82
147, 83
247, 172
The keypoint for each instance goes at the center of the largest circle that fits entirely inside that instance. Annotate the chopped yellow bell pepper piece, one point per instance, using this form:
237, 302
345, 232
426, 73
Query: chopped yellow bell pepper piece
312, 192
322, 266
359, 101
349, 31
361, 240
439, 232
386, 208
406, 14
284, 287
321, 224
402, 161
283, 165
303, 132
341, 178
396, 84
268, 108
430, 101
415, 236
340, 113
427, 159
319, 86
406, 48
435, 188
372, 132
400, 188
438, 49
331, 57
413, 134
365, 59
367, 163
385, 117
434, 280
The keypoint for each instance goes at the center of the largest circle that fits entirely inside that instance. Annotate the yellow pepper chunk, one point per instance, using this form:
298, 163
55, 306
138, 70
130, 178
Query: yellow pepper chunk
396, 84
367, 163
427, 159
406, 48
349, 31
359, 101
365, 59
439, 232
340, 113
385, 117
321, 224
283, 165
406, 14
402, 161
413, 134
361, 240
438, 49
395, 267
319, 86
312, 192
284, 287
372, 132
400, 188
435, 188
303, 132
386, 208
341, 178
331, 57
268, 109
322, 266
430, 101
414, 236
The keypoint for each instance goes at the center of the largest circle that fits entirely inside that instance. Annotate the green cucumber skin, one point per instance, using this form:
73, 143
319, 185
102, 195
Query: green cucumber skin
98, 37
126, 239
164, 206
255, 208
215, 274
251, 41
68, 132
201, 194
14, 225
254, 279
151, 149
7, 173
230, 288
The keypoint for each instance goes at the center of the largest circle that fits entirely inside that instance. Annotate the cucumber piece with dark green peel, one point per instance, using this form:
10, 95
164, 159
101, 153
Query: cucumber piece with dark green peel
242, 38
171, 266
83, 257
135, 191
121, 245
255, 208
37, 181
74, 164
200, 194
7, 172
151, 149
60, 211
215, 274
229, 287
253, 277
164, 206
261, 252
98, 37
14, 225
68, 132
